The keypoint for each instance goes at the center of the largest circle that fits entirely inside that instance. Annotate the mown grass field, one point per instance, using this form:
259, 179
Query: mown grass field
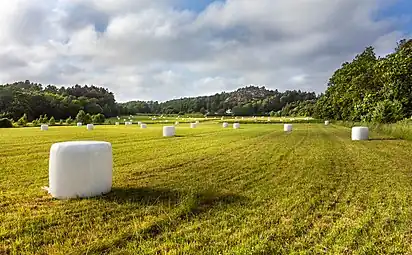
256, 190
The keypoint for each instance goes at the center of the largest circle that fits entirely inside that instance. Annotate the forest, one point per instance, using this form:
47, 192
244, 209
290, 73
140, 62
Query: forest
369, 88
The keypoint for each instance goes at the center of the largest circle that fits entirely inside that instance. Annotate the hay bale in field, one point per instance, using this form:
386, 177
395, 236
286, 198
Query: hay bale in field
117, 123
90, 126
79, 124
193, 125
44, 127
143, 125
287, 127
360, 133
80, 169
197, 122
236, 125
139, 123
177, 123
326, 122
225, 124
169, 131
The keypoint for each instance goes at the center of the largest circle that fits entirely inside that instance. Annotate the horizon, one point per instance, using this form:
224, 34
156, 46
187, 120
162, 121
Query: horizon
164, 50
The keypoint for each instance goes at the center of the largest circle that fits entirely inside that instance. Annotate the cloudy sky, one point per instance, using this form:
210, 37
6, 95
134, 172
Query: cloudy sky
163, 49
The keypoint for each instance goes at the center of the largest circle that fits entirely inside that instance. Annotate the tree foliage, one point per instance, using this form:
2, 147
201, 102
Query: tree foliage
370, 88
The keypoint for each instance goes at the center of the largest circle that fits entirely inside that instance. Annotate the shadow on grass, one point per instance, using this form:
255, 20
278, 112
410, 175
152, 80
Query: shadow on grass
385, 139
151, 195
187, 207
143, 195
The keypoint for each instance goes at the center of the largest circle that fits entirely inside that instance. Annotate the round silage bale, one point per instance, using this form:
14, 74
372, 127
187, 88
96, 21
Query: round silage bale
360, 133
80, 169
169, 131
287, 127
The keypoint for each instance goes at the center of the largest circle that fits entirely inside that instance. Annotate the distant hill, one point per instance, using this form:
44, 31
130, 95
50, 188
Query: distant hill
249, 100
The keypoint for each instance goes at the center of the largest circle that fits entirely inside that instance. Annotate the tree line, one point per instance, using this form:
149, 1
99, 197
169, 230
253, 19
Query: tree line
370, 88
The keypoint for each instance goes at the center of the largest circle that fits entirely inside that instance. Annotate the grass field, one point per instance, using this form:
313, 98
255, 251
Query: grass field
255, 190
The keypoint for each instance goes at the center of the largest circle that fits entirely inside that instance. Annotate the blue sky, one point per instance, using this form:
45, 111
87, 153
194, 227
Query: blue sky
400, 9
197, 5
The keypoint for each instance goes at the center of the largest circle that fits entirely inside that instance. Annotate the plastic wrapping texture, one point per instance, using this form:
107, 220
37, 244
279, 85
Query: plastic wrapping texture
80, 169
169, 131
326, 122
236, 125
360, 133
192, 125
79, 124
287, 127
90, 126
225, 124
44, 127
143, 125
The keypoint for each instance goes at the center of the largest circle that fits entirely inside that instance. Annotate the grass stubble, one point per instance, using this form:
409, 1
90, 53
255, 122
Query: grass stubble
255, 190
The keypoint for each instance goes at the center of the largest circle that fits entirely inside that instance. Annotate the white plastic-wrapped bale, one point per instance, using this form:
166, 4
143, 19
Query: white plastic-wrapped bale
80, 169
139, 123
236, 125
143, 125
90, 126
326, 122
169, 131
117, 123
225, 124
177, 123
287, 127
243, 118
79, 124
360, 133
44, 127
197, 122
192, 125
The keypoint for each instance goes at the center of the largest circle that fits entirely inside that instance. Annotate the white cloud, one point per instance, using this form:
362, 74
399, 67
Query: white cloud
151, 50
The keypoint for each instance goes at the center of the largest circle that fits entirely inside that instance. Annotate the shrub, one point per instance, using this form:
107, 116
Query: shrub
69, 120
98, 118
5, 123
52, 121
23, 120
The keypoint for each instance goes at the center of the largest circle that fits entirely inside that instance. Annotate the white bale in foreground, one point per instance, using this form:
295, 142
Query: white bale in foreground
287, 127
193, 125
44, 127
360, 133
326, 122
80, 169
90, 126
236, 125
143, 125
225, 124
79, 124
169, 131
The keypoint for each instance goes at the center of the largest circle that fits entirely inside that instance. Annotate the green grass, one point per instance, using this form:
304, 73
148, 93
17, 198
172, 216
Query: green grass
256, 190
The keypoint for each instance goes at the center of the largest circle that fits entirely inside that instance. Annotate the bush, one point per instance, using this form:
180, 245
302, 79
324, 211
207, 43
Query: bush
52, 121
69, 120
35, 123
5, 123
98, 118
61, 122
23, 120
